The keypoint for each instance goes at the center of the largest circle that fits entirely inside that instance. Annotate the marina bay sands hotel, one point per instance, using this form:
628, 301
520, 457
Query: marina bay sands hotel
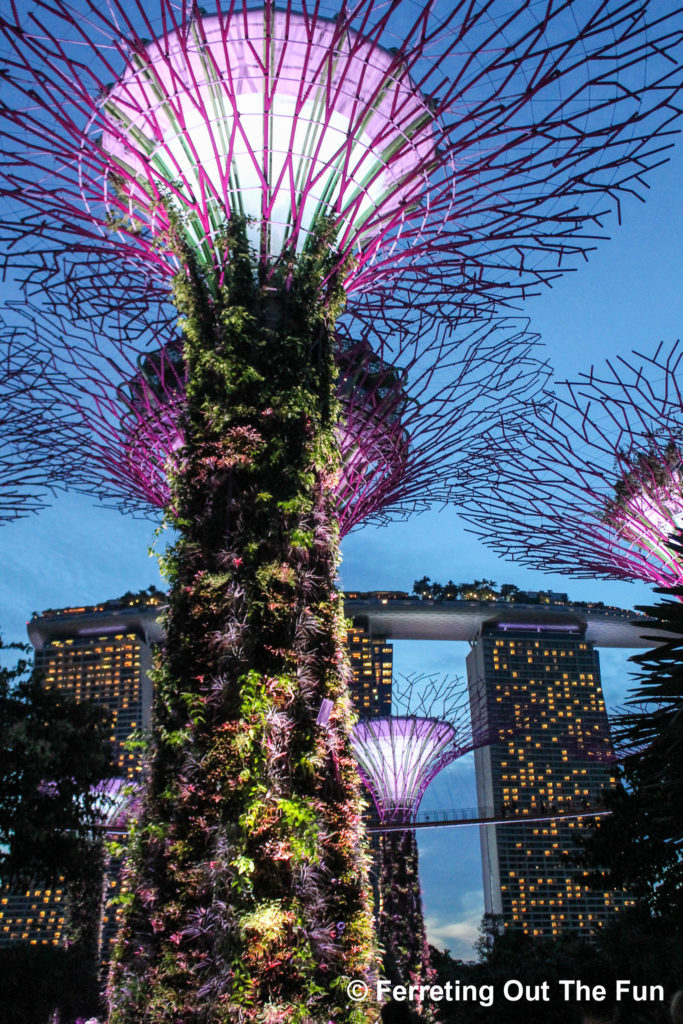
532, 665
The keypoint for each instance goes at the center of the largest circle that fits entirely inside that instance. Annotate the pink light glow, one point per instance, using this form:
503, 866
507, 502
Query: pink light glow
594, 484
459, 154
649, 513
408, 435
259, 116
118, 800
373, 443
399, 756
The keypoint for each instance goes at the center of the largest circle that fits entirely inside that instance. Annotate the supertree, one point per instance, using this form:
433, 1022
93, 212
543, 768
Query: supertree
398, 756
406, 434
593, 485
271, 166
120, 804
430, 162
118, 800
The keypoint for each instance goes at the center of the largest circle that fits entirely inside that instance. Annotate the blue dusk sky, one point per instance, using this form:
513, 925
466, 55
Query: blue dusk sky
628, 296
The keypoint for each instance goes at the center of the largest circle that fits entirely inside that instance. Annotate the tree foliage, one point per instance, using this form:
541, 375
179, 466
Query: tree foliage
634, 946
653, 732
245, 897
53, 752
641, 842
36, 981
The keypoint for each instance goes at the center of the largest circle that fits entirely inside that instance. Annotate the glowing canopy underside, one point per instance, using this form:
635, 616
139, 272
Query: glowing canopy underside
399, 756
461, 150
118, 800
262, 116
373, 444
596, 486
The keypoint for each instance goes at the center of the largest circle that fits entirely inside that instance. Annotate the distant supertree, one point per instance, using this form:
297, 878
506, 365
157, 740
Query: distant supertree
593, 485
118, 800
119, 803
398, 756
274, 168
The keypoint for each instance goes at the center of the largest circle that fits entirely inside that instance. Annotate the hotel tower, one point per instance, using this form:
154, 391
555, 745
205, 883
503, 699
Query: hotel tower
537, 683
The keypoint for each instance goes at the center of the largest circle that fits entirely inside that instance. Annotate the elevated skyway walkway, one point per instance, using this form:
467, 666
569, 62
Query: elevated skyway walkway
486, 816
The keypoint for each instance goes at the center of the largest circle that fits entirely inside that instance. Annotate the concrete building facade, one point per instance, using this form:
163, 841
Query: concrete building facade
540, 675
372, 665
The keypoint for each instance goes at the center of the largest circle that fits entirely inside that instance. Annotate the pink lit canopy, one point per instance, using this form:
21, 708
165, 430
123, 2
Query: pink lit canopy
270, 117
454, 158
409, 431
593, 485
398, 757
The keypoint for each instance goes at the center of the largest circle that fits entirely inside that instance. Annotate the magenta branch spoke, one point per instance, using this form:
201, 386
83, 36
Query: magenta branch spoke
408, 434
27, 435
593, 485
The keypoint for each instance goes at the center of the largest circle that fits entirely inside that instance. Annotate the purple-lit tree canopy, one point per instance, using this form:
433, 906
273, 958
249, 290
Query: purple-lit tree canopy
272, 172
117, 800
398, 756
596, 486
455, 159
407, 433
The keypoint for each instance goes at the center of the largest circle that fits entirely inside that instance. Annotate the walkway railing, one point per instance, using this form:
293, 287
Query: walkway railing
490, 815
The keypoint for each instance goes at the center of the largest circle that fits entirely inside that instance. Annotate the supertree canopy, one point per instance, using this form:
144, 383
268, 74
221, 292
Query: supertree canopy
118, 799
596, 486
449, 156
407, 434
275, 171
226, 113
398, 756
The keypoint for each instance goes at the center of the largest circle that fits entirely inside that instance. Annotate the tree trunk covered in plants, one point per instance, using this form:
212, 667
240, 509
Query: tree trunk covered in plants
401, 928
247, 886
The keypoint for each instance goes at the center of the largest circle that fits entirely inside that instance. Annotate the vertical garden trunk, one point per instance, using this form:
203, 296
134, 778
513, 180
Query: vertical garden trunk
247, 886
401, 923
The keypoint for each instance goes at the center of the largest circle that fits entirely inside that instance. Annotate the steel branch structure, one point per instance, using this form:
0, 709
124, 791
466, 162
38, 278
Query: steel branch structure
400, 754
407, 432
118, 800
279, 169
458, 160
26, 435
399, 757
596, 487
